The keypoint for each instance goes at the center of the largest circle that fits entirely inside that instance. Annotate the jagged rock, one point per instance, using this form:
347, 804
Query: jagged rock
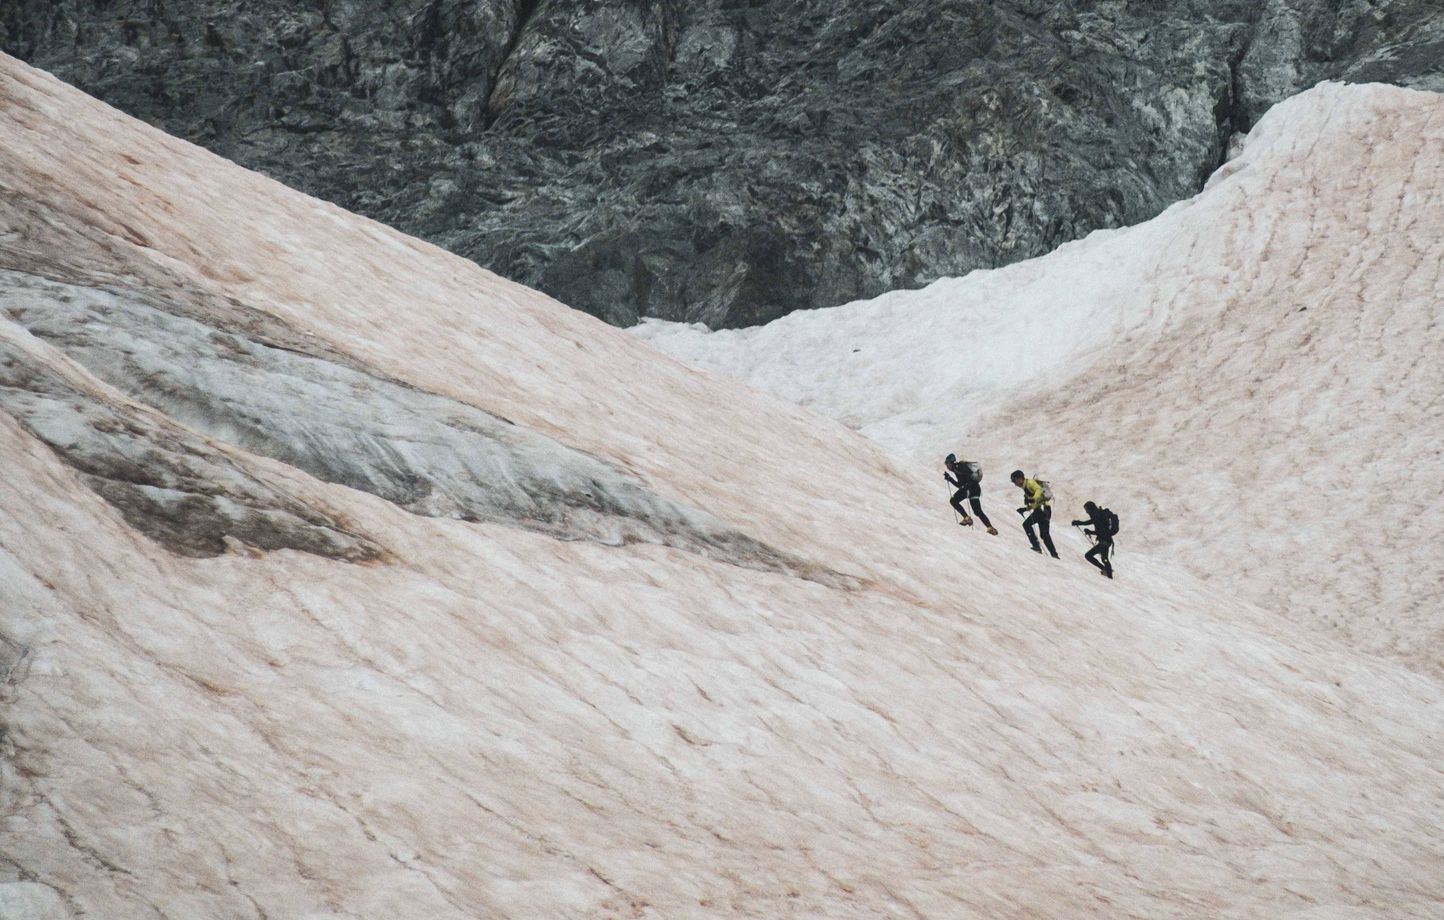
720, 162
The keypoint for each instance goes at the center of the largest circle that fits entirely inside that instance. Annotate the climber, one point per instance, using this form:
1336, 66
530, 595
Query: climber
1037, 510
969, 485
1105, 526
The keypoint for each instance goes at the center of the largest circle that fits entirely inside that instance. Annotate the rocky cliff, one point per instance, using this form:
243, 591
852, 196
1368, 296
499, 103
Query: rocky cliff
725, 161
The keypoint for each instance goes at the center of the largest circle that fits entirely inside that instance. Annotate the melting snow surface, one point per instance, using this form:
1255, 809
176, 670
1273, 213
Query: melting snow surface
485, 719
1253, 380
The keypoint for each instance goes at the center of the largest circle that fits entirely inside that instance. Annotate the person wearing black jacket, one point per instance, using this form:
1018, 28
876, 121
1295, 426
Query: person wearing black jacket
967, 488
1105, 525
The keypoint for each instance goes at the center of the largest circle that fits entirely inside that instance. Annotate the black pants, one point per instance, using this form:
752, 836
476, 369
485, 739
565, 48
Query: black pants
1098, 555
1040, 517
971, 491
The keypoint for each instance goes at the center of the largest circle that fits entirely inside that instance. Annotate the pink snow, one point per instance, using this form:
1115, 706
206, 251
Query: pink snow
494, 723
1251, 380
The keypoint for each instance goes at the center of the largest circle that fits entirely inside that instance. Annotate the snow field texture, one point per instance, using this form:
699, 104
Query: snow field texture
1251, 380
493, 722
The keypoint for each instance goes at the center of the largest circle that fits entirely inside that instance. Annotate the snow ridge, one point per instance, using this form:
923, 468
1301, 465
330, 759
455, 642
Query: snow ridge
1251, 379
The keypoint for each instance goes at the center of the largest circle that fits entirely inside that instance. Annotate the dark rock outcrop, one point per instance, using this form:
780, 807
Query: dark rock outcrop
722, 161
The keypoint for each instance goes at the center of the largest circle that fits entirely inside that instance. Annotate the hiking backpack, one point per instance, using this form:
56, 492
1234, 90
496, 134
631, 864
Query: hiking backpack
1111, 521
973, 471
1047, 488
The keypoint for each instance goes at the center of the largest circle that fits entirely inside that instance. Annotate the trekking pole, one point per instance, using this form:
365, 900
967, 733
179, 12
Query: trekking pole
1092, 540
948, 489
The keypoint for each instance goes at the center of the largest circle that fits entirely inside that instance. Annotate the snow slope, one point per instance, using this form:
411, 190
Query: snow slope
341, 578
1252, 380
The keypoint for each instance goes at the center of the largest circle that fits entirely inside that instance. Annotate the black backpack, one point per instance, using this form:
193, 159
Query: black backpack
1111, 521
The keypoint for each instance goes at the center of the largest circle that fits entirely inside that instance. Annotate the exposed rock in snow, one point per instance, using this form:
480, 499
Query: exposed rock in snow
427, 453
489, 721
1252, 380
168, 483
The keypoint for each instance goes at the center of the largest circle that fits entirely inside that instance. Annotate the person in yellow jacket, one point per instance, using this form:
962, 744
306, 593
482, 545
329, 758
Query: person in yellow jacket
1038, 510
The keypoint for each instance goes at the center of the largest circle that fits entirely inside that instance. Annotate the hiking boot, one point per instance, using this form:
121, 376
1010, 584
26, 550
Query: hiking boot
1107, 573
1054, 555
966, 521
1038, 550
993, 531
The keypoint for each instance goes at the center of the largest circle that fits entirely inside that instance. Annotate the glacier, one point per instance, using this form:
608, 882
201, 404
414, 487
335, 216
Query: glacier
773, 679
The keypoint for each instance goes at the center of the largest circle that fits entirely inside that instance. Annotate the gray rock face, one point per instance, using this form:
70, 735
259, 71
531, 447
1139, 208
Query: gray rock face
721, 161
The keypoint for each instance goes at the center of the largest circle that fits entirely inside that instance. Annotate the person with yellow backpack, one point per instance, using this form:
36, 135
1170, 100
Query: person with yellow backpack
1037, 510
